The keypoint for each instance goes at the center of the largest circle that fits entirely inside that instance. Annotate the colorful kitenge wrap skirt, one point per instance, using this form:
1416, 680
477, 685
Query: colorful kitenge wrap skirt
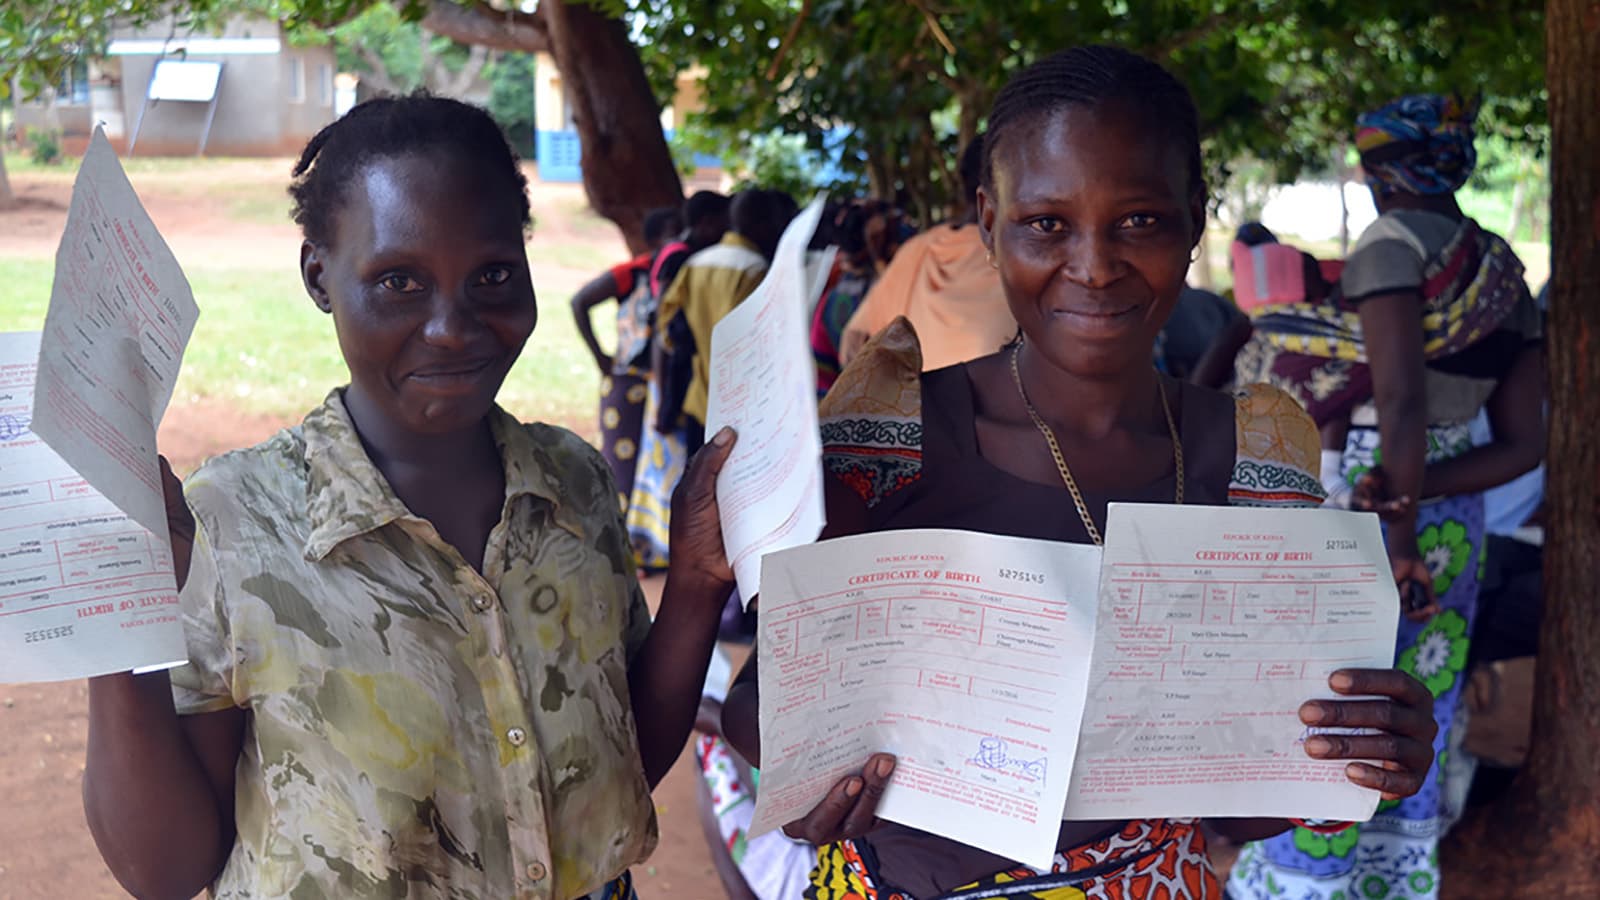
622, 398
1147, 859
1394, 856
662, 459
1315, 351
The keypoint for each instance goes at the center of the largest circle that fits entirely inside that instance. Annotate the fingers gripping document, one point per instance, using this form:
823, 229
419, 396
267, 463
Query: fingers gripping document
86, 580
1164, 676
763, 383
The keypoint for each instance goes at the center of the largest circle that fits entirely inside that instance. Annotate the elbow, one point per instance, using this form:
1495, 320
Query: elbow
1528, 455
146, 875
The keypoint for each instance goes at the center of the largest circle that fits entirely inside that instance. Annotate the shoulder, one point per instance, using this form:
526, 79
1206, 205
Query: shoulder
726, 256
1278, 450
565, 460
872, 417
266, 477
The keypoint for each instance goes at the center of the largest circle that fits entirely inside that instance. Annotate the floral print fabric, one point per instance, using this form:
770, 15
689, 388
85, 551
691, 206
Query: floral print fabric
1394, 856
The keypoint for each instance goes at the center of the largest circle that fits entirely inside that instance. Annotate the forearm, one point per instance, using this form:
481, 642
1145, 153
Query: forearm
669, 672
580, 315
141, 770
1479, 469
741, 721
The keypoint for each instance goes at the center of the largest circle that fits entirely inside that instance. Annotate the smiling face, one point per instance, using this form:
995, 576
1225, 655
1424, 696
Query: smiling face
1091, 217
427, 279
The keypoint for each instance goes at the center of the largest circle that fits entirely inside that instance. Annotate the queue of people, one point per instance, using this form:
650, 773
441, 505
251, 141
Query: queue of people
420, 663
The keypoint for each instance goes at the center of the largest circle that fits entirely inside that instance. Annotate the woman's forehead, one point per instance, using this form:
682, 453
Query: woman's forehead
395, 197
1079, 146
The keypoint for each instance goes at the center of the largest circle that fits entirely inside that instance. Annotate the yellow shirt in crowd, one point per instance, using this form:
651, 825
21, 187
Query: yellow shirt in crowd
417, 729
708, 287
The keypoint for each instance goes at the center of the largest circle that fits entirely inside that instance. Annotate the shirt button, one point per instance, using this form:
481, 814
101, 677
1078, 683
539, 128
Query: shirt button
536, 871
517, 737
482, 603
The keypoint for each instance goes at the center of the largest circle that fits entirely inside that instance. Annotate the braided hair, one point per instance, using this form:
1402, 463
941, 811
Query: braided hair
388, 127
1093, 76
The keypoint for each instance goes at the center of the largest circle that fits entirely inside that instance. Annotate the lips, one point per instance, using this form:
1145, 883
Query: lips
453, 375
1105, 321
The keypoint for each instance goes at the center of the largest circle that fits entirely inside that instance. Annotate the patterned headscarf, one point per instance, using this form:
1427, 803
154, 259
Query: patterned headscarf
1420, 144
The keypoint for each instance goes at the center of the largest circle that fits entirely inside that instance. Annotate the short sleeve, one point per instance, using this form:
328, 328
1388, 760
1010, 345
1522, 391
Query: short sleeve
205, 683
1388, 257
872, 418
1277, 451
623, 274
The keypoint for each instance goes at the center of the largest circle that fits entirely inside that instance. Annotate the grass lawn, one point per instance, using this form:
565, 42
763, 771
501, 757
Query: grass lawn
262, 346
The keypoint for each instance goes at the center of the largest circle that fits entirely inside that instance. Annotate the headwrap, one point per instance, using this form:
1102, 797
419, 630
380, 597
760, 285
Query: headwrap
1420, 144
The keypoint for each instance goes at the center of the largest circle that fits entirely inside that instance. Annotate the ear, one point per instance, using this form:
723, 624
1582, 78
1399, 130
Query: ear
311, 273
1197, 214
986, 217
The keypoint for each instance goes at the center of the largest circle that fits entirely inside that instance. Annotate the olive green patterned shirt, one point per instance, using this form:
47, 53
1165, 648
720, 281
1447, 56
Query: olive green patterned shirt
417, 729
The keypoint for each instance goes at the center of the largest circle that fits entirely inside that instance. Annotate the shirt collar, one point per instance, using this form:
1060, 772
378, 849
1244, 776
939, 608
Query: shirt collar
735, 239
346, 495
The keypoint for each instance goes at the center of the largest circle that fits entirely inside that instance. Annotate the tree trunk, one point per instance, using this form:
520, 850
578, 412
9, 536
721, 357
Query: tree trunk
1542, 839
8, 198
627, 166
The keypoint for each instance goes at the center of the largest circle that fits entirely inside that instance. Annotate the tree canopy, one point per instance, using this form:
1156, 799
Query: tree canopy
909, 81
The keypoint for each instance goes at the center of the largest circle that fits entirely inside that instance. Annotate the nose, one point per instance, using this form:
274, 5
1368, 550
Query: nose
1092, 261
452, 321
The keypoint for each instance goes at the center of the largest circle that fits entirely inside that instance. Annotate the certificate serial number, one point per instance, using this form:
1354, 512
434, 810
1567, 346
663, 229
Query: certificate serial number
46, 634
1024, 577
1339, 544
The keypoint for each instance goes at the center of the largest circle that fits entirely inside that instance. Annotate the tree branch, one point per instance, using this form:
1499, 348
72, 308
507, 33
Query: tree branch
377, 71
477, 58
481, 25
788, 40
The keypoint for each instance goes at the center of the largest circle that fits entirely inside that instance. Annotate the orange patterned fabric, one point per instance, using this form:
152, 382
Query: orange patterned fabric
1278, 451
1149, 859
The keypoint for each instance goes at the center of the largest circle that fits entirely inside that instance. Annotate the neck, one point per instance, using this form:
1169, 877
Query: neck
1440, 204
394, 449
1091, 405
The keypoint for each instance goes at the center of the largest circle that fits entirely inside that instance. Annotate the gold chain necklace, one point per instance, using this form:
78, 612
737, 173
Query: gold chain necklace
1061, 462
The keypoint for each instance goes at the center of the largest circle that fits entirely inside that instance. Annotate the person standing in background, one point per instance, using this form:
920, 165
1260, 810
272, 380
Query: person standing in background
945, 283
663, 452
710, 285
624, 377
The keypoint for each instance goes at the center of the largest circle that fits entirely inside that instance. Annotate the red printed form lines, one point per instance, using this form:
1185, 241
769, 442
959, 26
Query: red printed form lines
825, 648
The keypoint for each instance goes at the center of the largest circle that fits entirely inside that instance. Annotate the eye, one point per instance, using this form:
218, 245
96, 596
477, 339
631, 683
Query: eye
400, 283
495, 275
1140, 221
1047, 225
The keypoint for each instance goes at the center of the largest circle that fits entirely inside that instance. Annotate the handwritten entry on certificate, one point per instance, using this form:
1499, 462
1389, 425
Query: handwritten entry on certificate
84, 590
121, 313
763, 383
1215, 624
964, 654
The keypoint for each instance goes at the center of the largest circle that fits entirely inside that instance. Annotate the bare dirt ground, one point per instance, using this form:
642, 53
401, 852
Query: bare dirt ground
45, 849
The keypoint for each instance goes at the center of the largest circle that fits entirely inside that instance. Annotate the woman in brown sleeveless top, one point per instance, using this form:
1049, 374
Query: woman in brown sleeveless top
1092, 200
